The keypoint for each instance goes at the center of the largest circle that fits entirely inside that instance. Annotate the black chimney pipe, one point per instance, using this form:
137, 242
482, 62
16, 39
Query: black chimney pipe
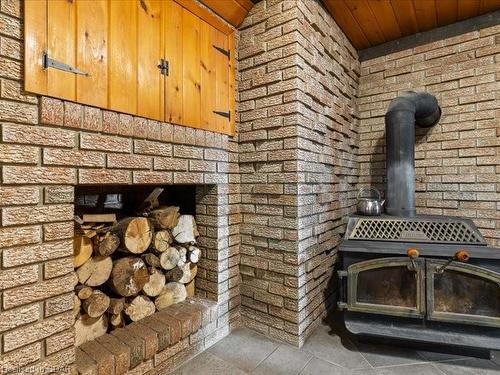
408, 109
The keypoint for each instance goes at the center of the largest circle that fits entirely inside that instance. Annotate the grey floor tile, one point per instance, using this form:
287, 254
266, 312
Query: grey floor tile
244, 348
208, 364
471, 366
384, 355
317, 366
419, 369
285, 360
496, 357
331, 348
438, 357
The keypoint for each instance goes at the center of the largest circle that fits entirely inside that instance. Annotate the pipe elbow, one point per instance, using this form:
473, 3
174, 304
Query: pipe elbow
422, 105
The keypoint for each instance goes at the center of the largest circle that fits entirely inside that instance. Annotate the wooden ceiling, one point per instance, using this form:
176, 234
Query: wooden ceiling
233, 11
368, 23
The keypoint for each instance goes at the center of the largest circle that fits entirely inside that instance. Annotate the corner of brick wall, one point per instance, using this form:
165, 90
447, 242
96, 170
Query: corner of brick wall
298, 146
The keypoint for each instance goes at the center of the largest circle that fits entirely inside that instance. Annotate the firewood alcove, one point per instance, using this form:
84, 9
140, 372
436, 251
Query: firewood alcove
136, 253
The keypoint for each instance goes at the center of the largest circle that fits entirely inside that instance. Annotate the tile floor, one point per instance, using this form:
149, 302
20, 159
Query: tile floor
324, 353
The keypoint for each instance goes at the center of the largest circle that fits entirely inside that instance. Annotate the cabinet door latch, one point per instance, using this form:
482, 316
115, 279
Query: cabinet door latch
163, 65
222, 50
223, 114
47, 62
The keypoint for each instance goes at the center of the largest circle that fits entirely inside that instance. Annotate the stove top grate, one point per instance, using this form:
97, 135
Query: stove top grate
416, 230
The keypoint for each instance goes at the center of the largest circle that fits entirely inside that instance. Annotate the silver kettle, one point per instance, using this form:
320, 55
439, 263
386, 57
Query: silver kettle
369, 206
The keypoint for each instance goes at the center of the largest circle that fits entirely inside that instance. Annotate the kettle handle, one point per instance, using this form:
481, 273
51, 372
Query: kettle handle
367, 189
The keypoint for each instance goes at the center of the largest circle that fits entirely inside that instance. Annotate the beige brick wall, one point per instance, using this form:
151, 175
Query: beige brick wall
48, 146
457, 161
298, 136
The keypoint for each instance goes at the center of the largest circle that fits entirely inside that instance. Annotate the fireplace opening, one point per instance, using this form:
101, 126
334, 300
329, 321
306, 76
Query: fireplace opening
136, 252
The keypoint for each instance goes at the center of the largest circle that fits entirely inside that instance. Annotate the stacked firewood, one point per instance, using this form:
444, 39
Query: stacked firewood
128, 269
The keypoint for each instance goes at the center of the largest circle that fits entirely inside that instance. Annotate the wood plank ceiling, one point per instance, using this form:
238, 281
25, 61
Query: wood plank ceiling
370, 22
233, 11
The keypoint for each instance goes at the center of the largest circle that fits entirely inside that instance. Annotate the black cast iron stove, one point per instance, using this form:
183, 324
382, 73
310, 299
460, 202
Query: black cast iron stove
430, 281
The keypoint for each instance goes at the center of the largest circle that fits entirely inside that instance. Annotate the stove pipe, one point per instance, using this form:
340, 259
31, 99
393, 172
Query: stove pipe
404, 112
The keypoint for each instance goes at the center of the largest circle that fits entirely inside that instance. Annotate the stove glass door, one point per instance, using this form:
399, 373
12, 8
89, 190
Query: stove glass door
463, 293
390, 286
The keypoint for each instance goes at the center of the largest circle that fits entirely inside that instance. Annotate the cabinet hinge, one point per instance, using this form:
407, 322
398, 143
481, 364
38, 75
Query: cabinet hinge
163, 65
47, 62
224, 114
223, 51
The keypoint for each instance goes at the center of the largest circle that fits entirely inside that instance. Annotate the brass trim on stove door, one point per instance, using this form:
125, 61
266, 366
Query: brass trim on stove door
417, 266
432, 269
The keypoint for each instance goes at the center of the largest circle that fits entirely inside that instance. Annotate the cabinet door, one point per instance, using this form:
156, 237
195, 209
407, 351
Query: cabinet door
122, 83
61, 46
191, 94
173, 54
35, 43
150, 83
92, 52
208, 76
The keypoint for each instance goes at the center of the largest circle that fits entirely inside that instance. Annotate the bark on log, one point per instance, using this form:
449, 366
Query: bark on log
169, 258
165, 217
135, 233
99, 218
172, 293
87, 328
151, 260
175, 274
139, 308
155, 284
82, 250
116, 305
107, 244
128, 276
96, 304
162, 240
95, 271
185, 231
83, 292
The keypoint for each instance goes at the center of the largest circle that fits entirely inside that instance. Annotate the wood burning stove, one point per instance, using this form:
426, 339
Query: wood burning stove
426, 279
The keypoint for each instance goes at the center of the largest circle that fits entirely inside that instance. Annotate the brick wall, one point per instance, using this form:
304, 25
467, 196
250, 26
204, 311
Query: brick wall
457, 161
298, 137
48, 146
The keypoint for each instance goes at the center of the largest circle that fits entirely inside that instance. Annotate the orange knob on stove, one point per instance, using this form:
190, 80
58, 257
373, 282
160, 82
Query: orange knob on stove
412, 253
462, 256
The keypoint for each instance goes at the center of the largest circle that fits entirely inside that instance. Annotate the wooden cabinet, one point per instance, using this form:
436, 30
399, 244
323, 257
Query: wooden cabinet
171, 61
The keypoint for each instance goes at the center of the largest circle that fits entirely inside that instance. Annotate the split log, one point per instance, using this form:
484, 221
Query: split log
107, 244
185, 231
171, 293
190, 288
182, 253
151, 201
169, 258
162, 240
116, 305
189, 271
87, 328
83, 292
194, 254
128, 277
117, 320
96, 304
139, 308
82, 250
165, 217
95, 271
155, 284
135, 233
151, 260
99, 218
